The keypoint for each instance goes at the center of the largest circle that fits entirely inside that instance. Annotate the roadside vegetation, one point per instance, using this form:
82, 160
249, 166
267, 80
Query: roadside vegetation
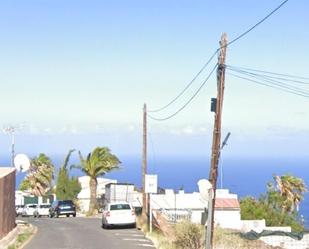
39, 177
192, 236
279, 206
67, 188
99, 162
22, 237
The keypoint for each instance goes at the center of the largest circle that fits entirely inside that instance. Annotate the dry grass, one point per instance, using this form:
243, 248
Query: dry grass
230, 239
224, 239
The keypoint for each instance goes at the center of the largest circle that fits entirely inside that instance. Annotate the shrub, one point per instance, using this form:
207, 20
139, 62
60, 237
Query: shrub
189, 235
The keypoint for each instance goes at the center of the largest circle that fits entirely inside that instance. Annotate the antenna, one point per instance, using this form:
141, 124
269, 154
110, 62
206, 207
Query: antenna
10, 129
21, 162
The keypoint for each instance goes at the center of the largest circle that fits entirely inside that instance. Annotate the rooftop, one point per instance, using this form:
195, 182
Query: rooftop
227, 203
5, 171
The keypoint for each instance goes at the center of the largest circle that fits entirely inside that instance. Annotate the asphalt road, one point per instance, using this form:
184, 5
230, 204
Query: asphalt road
83, 233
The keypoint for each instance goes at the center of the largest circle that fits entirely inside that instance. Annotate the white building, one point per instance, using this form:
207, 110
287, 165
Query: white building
25, 197
191, 205
227, 210
123, 192
84, 194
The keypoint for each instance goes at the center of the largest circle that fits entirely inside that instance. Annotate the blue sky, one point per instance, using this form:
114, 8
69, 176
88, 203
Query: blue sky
77, 73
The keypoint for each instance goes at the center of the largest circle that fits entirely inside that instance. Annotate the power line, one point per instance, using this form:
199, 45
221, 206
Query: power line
273, 81
206, 64
272, 73
257, 24
272, 86
188, 85
188, 102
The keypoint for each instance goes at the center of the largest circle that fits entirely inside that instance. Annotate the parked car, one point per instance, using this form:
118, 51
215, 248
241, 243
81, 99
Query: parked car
118, 214
65, 207
19, 209
42, 210
29, 209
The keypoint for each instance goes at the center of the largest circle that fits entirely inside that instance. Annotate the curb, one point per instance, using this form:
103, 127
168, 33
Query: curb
9, 238
35, 230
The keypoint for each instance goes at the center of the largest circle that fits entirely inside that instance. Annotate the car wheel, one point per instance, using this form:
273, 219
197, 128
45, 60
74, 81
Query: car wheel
68, 215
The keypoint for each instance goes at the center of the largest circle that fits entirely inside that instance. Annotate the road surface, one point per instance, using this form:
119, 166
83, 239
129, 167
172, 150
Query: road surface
83, 233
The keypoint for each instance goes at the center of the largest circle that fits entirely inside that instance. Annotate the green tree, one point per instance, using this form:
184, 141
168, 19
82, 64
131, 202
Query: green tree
277, 205
40, 176
98, 162
66, 188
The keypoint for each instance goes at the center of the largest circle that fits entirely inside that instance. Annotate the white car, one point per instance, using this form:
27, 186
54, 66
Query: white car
19, 209
118, 214
29, 209
42, 210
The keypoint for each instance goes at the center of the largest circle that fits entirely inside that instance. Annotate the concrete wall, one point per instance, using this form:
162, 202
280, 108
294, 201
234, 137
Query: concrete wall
7, 200
287, 242
228, 219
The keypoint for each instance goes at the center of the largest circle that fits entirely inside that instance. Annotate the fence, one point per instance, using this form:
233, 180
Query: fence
7, 201
176, 215
229, 239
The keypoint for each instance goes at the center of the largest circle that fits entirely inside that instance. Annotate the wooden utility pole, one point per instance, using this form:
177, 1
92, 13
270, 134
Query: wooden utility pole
144, 163
216, 142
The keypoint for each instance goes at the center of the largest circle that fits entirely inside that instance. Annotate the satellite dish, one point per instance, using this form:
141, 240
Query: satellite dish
21, 162
204, 187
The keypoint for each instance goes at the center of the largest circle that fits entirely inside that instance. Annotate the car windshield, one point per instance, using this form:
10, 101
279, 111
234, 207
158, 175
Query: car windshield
120, 207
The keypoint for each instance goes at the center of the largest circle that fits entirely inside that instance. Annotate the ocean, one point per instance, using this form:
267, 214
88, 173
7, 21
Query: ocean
242, 176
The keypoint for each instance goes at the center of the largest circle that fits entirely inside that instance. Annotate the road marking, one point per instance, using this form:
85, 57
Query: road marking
139, 240
146, 245
129, 234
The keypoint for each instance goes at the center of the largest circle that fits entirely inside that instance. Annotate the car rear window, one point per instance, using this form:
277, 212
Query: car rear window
45, 206
120, 207
69, 203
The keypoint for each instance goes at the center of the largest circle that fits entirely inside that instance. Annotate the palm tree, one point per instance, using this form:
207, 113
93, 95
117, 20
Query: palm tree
292, 190
40, 176
98, 162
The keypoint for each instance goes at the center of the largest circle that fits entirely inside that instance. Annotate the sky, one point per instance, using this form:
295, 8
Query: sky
75, 74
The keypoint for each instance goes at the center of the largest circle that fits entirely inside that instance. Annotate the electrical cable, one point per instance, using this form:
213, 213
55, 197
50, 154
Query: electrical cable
188, 85
257, 24
272, 86
272, 73
206, 64
188, 102
275, 82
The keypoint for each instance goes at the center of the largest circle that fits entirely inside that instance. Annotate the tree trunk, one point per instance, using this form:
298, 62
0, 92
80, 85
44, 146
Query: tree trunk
93, 195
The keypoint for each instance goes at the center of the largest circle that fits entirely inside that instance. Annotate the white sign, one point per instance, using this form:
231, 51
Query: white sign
151, 184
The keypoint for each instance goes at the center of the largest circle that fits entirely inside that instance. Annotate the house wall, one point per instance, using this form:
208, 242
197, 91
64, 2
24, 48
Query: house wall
7, 201
228, 219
